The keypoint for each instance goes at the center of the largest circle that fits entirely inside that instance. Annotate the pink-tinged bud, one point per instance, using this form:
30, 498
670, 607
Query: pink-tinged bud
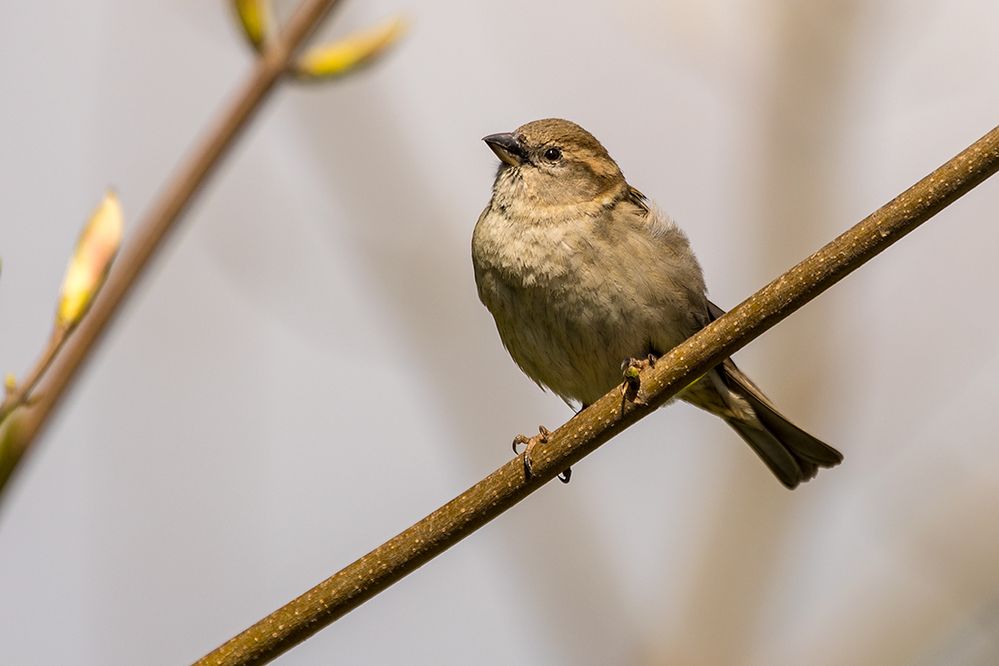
95, 250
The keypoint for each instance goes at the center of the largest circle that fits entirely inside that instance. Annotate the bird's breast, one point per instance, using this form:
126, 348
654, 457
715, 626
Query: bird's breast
567, 321
521, 251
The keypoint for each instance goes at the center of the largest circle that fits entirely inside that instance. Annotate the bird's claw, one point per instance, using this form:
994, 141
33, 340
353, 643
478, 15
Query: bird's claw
529, 443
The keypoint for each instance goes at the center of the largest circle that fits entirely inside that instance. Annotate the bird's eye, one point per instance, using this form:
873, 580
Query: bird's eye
553, 154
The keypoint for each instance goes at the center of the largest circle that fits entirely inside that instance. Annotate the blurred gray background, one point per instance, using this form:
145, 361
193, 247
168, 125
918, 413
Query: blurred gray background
307, 369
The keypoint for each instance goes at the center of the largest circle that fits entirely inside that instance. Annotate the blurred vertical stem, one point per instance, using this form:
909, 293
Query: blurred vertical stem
159, 221
801, 130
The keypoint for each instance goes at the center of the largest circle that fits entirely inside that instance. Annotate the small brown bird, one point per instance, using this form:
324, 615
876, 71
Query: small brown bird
581, 272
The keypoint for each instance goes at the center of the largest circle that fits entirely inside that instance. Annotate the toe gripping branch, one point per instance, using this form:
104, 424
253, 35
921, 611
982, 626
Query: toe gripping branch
632, 370
529, 443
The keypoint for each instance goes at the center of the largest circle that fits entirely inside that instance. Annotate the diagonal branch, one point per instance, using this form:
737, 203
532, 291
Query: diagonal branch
161, 219
366, 577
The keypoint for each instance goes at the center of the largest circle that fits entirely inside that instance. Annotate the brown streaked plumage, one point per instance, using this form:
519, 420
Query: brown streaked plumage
581, 272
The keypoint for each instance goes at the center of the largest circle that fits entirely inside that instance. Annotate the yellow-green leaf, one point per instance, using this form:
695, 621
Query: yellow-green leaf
254, 15
345, 55
95, 250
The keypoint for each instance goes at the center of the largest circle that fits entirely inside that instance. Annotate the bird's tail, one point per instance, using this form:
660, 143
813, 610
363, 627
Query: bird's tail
791, 453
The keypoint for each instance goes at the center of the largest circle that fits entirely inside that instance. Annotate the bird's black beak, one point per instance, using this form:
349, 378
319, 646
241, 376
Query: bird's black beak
507, 148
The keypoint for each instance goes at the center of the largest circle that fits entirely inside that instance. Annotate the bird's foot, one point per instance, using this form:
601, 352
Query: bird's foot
632, 370
529, 443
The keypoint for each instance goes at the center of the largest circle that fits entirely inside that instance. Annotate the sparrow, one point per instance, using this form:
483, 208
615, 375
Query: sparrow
582, 272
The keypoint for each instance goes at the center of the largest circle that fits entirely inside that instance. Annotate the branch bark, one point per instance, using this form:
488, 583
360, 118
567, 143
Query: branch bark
366, 577
161, 219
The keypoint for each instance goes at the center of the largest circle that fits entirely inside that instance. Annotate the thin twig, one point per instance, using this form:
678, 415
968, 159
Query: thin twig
22, 392
162, 218
595, 425
11, 445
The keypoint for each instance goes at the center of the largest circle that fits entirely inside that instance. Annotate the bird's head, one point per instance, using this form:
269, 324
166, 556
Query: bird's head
554, 163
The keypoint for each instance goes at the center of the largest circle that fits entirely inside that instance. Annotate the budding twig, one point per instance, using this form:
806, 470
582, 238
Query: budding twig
85, 275
160, 220
325, 61
607, 417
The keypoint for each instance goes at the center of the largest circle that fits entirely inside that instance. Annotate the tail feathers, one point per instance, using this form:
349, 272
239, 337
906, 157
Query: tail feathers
791, 453
803, 445
788, 469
